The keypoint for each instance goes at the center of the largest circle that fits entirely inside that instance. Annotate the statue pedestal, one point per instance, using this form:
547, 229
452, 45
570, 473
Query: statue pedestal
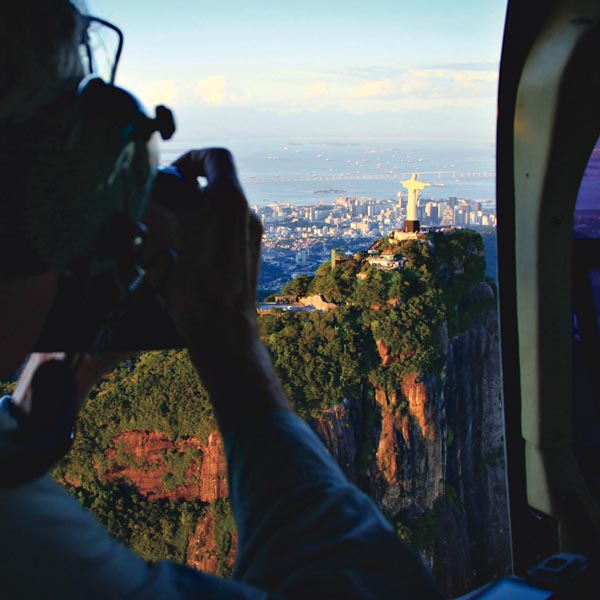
412, 226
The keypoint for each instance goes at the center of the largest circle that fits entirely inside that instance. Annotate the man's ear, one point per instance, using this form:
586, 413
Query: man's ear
24, 305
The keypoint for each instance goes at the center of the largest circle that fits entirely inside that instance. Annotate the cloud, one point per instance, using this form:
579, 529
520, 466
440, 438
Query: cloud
239, 98
475, 80
373, 89
470, 66
315, 90
414, 82
352, 91
213, 90
162, 91
363, 88
406, 89
452, 83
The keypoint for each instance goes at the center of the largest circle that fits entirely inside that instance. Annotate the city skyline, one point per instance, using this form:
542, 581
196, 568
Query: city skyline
298, 238
344, 69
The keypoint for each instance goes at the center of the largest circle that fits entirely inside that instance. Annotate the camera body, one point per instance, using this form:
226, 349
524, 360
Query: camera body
114, 308
79, 209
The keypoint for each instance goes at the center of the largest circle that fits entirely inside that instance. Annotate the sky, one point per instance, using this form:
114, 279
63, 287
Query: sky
422, 69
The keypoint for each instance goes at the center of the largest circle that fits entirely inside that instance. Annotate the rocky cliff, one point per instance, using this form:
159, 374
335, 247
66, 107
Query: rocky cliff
160, 468
188, 470
431, 453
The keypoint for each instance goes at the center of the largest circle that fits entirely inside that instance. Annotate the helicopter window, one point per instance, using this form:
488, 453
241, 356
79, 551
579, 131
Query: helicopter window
587, 208
586, 312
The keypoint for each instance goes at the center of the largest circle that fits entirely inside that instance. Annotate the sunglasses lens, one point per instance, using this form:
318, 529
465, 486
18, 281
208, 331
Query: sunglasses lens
100, 51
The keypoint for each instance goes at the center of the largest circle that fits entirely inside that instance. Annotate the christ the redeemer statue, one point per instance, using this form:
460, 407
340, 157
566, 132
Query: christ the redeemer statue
412, 225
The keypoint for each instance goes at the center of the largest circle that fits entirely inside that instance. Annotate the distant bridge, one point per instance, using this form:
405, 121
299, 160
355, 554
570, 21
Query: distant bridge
392, 176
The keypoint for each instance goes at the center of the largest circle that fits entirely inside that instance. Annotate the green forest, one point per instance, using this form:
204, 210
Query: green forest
321, 358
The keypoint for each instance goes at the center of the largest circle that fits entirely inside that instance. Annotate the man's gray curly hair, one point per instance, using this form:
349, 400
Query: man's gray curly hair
39, 51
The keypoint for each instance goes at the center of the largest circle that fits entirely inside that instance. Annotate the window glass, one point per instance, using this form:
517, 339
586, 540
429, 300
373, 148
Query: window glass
100, 49
587, 207
586, 323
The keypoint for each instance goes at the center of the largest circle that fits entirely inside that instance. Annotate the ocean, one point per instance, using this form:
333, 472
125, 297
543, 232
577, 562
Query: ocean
310, 171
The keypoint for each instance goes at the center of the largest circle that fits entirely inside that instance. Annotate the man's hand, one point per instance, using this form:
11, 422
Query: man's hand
217, 237
87, 371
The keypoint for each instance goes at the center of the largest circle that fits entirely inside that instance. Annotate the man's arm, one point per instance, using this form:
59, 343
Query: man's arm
303, 530
213, 295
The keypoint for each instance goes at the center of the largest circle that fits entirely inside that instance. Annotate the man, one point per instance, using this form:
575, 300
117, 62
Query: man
304, 533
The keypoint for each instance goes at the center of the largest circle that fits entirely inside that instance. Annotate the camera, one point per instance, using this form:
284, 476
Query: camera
116, 308
87, 172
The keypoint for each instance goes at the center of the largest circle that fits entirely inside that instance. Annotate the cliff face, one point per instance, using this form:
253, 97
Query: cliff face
340, 429
436, 462
472, 389
203, 550
159, 468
